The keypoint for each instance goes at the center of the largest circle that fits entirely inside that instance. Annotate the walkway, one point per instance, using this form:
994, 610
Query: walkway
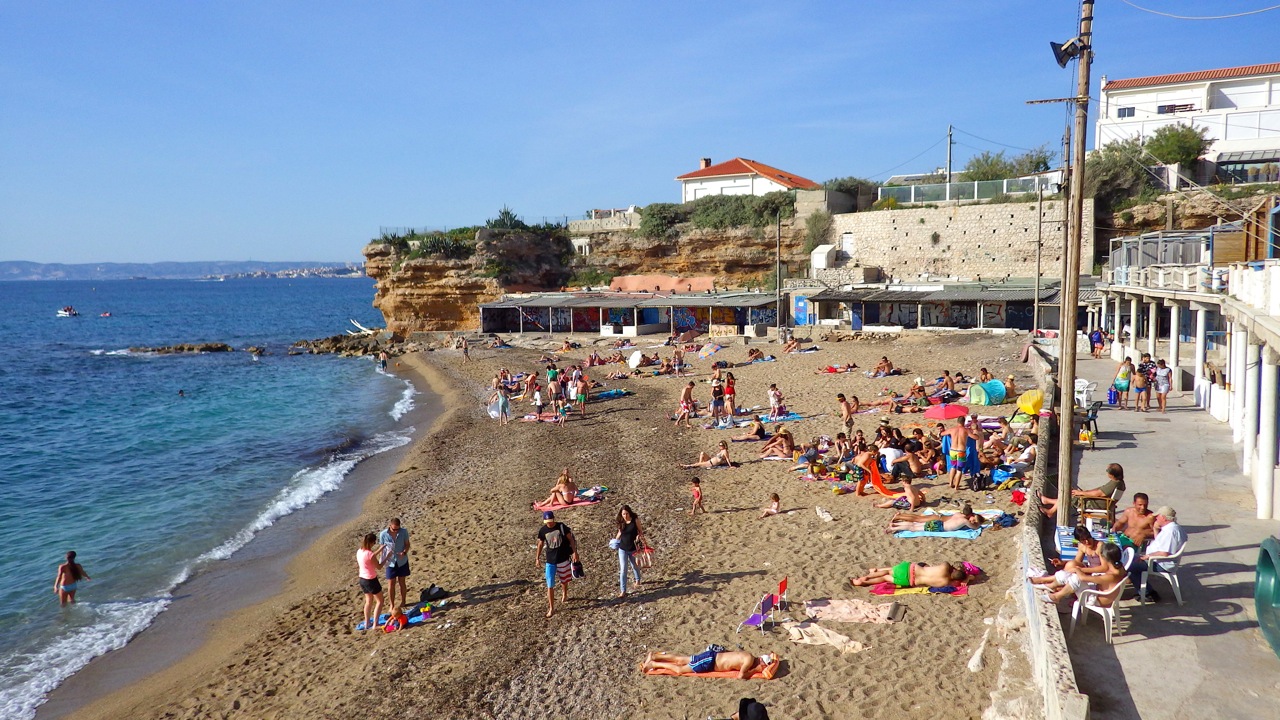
1206, 659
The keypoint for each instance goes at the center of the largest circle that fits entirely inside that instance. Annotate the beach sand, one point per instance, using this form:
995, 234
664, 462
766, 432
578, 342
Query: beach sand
464, 492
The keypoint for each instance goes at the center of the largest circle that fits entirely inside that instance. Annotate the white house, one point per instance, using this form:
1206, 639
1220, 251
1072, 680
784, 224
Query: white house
738, 176
1240, 107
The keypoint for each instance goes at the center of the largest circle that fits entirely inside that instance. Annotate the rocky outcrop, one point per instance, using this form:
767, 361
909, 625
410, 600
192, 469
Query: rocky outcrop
735, 257
1191, 211
184, 348
427, 294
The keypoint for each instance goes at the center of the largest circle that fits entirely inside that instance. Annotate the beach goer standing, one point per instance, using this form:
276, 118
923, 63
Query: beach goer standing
846, 412
686, 406
68, 578
730, 394
382, 359
561, 552
630, 536
504, 403
717, 401
368, 566
959, 435
1096, 342
678, 362
695, 486
775, 402
396, 541
466, 350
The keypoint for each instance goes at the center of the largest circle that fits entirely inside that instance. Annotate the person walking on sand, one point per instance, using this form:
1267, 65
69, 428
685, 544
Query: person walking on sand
500, 397
686, 406
67, 579
695, 486
561, 551
846, 412
466, 350
1163, 382
1124, 374
368, 566
395, 539
629, 538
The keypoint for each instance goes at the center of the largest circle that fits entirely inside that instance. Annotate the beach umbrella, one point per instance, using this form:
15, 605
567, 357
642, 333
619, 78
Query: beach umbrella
635, 359
708, 350
946, 411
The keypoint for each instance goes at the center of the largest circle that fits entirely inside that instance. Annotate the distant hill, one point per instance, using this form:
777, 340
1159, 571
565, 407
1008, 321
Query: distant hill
21, 270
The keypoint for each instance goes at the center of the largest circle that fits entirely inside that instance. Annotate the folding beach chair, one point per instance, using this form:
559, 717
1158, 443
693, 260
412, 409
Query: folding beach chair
782, 594
762, 613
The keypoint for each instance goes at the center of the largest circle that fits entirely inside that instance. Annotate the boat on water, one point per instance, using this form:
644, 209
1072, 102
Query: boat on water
68, 311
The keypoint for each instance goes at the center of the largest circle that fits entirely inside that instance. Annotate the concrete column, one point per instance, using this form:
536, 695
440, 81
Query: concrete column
1264, 473
1175, 343
1153, 327
1249, 431
1118, 325
1135, 323
1202, 333
1236, 376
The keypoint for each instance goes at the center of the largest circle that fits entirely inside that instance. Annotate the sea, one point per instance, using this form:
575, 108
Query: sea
152, 467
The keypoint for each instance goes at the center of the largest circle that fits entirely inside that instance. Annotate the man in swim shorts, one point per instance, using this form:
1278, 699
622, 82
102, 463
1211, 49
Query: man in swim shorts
739, 661
906, 574
561, 552
959, 435
396, 540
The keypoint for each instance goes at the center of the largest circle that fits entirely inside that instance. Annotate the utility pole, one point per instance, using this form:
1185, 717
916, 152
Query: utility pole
1071, 282
777, 275
949, 142
1035, 315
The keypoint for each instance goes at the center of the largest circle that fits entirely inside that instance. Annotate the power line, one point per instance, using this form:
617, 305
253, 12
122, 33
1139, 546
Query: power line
895, 167
993, 142
1204, 17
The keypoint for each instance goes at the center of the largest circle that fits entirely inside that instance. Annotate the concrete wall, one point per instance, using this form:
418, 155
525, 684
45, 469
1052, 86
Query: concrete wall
979, 242
847, 275
621, 221
834, 202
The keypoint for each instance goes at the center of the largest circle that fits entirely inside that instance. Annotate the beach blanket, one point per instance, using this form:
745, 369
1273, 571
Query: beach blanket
810, 633
852, 611
585, 497
888, 588
767, 358
789, 417
415, 615
611, 394
766, 672
544, 417
962, 533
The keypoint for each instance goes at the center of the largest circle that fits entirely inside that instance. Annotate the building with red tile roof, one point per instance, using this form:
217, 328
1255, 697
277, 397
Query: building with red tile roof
1239, 107
739, 176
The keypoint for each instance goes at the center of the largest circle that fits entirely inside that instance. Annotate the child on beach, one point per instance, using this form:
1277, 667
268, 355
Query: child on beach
772, 509
696, 486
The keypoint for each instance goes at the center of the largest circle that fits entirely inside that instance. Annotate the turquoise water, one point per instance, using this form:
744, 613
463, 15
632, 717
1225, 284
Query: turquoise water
102, 456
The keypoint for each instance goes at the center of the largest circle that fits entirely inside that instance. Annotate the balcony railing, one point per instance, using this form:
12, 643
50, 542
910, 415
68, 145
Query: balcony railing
1183, 278
1257, 284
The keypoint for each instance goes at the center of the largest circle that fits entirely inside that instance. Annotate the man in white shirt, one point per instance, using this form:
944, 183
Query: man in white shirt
1170, 537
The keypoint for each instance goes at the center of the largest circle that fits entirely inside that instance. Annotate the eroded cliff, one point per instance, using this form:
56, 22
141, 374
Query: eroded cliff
734, 257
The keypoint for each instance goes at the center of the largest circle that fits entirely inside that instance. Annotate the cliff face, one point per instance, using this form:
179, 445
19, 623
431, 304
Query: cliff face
426, 294
733, 256
1190, 212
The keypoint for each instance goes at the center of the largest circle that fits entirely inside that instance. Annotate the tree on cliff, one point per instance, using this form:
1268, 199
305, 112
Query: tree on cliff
1116, 173
506, 220
1179, 143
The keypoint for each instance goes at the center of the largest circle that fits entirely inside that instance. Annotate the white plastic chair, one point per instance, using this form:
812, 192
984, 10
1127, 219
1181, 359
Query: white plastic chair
1108, 614
1084, 392
1167, 568
1126, 557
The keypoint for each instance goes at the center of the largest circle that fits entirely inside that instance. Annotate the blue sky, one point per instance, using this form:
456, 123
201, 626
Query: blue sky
150, 131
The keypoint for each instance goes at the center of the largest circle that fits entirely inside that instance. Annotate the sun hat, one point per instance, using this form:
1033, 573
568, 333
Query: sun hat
548, 515
884, 421
1168, 512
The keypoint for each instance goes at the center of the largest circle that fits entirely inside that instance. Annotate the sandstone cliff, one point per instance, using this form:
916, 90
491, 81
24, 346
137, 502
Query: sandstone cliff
734, 257
1192, 210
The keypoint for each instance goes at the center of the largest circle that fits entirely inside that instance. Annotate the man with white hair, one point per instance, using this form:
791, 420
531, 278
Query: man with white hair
1170, 537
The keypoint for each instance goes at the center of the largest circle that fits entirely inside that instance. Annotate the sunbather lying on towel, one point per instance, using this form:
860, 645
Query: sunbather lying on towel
737, 661
915, 522
836, 369
906, 574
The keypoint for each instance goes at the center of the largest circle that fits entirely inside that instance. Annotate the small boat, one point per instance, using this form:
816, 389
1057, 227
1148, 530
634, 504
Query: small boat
68, 311
105, 314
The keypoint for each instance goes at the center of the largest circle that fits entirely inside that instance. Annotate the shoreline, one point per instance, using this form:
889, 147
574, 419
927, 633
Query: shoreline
211, 609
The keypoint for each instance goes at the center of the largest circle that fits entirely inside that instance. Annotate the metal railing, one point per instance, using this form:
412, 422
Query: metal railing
976, 190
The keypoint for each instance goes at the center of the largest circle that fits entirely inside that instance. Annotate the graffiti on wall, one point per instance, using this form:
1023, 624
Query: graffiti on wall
903, 314
763, 315
561, 318
586, 319
688, 319
535, 319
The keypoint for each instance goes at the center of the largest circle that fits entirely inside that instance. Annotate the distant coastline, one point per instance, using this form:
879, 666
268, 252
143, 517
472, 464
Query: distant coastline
196, 270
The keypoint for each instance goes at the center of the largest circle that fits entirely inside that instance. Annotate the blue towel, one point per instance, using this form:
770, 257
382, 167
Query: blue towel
965, 533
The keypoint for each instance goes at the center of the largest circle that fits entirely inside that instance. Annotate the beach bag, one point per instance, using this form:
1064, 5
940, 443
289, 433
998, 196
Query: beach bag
577, 570
644, 556
1002, 473
1113, 396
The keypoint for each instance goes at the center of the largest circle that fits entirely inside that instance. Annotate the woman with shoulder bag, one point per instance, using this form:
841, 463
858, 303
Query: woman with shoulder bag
628, 540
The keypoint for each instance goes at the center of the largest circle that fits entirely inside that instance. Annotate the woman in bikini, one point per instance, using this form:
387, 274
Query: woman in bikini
731, 395
69, 576
719, 459
755, 431
780, 445
564, 492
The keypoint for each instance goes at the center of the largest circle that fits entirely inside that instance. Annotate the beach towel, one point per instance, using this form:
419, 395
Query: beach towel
972, 463
611, 394
963, 533
577, 502
766, 672
767, 358
888, 588
809, 633
852, 611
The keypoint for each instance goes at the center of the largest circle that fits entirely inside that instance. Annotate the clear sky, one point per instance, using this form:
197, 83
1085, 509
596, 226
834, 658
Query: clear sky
149, 131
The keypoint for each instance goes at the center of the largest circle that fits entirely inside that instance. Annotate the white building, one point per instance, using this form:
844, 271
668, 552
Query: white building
738, 176
1240, 108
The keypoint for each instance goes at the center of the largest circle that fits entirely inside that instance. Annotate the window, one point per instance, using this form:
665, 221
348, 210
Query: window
1125, 112
1171, 109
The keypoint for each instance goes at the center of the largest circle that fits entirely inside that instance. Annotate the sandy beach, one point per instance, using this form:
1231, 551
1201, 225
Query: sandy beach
464, 491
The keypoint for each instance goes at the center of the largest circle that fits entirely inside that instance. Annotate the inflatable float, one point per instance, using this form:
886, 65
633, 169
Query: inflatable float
1266, 592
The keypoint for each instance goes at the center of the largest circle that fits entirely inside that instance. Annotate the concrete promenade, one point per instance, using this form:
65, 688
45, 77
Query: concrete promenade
1206, 659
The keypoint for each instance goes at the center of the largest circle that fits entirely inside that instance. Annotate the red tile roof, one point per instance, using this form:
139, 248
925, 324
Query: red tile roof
1223, 74
743, 166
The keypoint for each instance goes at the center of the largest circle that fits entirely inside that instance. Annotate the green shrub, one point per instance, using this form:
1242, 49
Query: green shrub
717, 212
767, 208
659, 219
817, 229
585, 276
888, 203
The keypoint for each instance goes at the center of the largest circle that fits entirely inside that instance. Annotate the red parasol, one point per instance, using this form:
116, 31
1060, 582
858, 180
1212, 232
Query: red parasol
946, 412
